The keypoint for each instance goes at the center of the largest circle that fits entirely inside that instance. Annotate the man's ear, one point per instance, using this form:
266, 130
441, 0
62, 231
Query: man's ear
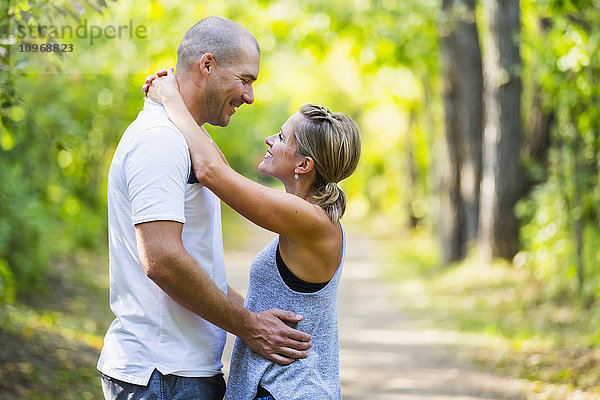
305, 166
206, 64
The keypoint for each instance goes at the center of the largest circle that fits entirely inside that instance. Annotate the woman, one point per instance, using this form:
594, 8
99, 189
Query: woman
300, 269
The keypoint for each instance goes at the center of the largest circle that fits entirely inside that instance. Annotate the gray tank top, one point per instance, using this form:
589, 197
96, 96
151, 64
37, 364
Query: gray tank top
315, 377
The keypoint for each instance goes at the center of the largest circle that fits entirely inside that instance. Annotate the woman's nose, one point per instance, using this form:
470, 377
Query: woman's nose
269, 140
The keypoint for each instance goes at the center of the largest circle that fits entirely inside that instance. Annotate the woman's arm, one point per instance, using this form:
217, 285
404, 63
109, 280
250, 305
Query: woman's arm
271, 209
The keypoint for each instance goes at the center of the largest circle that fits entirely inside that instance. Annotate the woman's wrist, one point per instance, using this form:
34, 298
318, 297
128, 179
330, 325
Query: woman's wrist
175, 107
173, 101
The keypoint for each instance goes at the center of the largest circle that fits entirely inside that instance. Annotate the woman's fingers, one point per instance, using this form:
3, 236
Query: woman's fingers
150, 78
147, 84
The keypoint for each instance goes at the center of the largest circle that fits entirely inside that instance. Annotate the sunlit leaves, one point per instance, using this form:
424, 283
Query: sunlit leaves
561, 46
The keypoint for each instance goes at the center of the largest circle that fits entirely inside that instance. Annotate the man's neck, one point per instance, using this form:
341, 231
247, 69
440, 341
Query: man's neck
189, 92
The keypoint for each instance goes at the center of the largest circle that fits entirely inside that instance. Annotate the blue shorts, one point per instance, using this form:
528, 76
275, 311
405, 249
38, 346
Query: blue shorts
165, 387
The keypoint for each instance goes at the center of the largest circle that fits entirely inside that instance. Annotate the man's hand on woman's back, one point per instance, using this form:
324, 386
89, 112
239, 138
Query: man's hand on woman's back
267, 334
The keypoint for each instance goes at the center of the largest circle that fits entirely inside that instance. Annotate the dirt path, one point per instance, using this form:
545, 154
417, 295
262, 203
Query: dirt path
383, 355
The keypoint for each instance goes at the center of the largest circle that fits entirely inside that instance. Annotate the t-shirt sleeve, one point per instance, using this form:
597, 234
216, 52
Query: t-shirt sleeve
156, 168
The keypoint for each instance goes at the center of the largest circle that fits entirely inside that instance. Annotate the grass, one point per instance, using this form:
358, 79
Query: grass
50, 341
504, 318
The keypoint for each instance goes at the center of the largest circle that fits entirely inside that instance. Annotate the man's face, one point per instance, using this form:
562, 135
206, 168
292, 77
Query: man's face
231, 85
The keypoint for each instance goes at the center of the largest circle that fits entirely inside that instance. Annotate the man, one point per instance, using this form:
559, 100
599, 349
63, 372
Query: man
167, 279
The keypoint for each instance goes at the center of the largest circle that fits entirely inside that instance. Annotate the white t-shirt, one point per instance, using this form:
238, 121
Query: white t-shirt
148, 181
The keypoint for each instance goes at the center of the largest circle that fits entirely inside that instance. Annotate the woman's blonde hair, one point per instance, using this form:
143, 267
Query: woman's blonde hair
332, 140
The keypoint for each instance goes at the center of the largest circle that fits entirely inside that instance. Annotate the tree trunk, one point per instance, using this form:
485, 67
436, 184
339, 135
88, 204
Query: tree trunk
576, 208
411, 168
502, 177
537, 142
538, 128
463, 99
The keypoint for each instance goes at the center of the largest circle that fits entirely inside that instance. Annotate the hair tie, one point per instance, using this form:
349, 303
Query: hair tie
332, 191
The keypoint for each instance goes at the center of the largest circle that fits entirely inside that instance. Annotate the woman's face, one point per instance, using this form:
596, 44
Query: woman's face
281, 159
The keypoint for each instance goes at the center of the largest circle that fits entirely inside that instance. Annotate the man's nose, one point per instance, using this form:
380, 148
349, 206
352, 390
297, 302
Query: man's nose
248, 95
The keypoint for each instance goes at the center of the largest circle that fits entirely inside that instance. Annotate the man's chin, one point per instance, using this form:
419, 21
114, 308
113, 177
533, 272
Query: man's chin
222, 122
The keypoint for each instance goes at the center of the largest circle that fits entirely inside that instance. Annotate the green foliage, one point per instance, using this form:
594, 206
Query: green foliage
548, 227
52, 154
20, 226
7, 283
561, 45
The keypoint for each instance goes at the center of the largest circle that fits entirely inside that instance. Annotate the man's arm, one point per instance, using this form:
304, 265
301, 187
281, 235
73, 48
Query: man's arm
169, 265
235, 296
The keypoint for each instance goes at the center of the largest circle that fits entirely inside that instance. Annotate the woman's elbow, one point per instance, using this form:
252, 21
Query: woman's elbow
205, 173
200, 173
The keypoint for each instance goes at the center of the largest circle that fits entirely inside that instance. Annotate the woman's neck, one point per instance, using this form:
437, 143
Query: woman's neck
301, 188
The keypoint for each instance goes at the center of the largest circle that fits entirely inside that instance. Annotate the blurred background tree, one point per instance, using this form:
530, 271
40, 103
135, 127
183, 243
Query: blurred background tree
463, 101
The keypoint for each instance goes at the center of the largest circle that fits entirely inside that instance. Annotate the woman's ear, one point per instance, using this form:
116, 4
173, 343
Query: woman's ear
305, 166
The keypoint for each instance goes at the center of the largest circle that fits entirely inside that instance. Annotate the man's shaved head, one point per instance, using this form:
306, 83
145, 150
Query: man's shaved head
219, 36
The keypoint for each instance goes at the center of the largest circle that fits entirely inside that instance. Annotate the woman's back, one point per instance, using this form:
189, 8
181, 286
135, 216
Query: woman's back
314, 257
316, 376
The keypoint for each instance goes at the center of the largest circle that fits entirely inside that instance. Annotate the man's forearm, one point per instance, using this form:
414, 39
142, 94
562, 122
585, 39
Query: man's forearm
235, 296
189, 285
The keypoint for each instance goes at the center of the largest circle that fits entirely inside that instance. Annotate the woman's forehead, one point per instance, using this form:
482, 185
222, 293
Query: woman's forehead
290, 124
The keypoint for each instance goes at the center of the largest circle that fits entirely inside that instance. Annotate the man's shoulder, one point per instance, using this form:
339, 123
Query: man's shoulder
152, 124
153, 119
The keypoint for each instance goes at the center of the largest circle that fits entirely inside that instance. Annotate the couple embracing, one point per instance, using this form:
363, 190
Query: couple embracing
168, 288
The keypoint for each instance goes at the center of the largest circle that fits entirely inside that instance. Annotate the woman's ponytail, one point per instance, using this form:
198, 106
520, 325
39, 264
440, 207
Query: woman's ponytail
332, 199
